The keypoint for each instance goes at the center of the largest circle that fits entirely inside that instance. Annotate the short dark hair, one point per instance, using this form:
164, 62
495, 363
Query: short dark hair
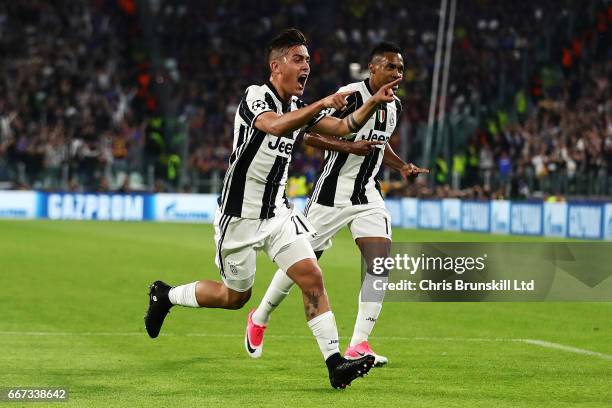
383, 47
285, 40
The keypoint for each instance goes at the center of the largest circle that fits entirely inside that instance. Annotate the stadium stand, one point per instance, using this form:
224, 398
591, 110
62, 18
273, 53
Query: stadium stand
120, 95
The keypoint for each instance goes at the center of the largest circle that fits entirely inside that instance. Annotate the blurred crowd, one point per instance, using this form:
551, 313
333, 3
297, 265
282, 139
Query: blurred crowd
562, 148
66, 92
123, 95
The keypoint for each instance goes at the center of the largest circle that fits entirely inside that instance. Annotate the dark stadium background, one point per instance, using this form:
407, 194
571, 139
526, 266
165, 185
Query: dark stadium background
126, 95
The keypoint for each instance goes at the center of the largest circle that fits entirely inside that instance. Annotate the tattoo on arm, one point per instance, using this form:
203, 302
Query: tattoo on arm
352, 124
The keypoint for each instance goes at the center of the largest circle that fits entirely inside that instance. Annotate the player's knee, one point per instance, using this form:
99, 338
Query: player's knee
312, 280
237, 300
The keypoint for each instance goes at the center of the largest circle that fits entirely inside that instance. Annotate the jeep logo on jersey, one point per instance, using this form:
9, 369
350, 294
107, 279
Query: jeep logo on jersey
382, 137
281, 146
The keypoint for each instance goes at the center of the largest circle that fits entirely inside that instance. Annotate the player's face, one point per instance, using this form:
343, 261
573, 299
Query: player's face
295, 68
386, 68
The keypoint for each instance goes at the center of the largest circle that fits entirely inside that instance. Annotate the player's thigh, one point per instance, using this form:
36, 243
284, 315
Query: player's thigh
237, 268
294, 252
291, 250
289, 242
371, 224
235, 257
372, 234
327, 221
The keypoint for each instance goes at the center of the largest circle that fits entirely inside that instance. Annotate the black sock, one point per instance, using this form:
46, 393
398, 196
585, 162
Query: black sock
333, 361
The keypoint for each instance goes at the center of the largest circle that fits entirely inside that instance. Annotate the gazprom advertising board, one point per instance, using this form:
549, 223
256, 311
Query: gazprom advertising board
500, 217
184, 207
585, 221
475, 216
106, 207
526, 218
18, 204
582, 220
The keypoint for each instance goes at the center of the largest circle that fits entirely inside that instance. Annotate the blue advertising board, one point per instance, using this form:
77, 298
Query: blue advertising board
184, 207
475, 216
93, 206
410, 212
394, 207
526, 218
555, 219
430, 214
18, 204
451, 214
608, 222
500, 217
583, 220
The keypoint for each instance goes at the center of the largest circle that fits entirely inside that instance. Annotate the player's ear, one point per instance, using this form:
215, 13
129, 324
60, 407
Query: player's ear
371, 68
274, 66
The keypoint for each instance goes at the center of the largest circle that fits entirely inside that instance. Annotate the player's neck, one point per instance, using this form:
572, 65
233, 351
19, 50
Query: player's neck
278, 90
372, 87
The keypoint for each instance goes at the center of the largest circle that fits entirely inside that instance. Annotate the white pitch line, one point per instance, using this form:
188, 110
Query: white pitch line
557, 346
277, 336
59, 334
533, 342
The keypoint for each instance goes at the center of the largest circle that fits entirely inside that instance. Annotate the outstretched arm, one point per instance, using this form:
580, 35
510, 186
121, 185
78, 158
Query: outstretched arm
279, 125
352, 123
396, 163
324, 142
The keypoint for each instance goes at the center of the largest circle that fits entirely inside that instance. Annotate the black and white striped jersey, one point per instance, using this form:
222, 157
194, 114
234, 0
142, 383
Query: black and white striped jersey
254, 185
346, 179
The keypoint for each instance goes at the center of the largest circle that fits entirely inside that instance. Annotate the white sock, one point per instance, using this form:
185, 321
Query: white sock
366, 319
325, 331
184, 295
277, 291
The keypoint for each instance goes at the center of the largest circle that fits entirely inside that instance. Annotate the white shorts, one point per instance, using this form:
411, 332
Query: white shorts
364, 220
283, 237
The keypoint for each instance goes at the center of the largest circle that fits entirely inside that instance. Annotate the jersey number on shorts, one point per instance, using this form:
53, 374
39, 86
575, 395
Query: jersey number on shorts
301, 228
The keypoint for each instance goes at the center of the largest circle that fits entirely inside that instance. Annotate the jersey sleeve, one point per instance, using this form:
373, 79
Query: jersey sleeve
317, 118
398, 106
324, 112
253, 104
353, 102
333, 112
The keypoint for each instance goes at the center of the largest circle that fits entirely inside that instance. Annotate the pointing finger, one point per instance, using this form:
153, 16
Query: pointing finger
345, 93
392, 84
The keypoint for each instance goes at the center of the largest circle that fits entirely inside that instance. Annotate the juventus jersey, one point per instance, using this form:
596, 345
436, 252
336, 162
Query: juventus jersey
254, 184
347, 179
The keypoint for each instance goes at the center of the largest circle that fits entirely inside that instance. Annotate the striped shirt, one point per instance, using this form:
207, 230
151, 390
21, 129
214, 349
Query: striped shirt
254, 184
347, 179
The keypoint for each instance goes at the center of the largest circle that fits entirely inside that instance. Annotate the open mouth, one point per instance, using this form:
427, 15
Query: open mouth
302, 80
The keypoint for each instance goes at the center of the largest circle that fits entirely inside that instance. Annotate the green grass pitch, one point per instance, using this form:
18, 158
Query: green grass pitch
73, 295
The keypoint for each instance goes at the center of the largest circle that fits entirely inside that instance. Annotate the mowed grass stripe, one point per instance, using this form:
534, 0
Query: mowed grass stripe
92, 277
